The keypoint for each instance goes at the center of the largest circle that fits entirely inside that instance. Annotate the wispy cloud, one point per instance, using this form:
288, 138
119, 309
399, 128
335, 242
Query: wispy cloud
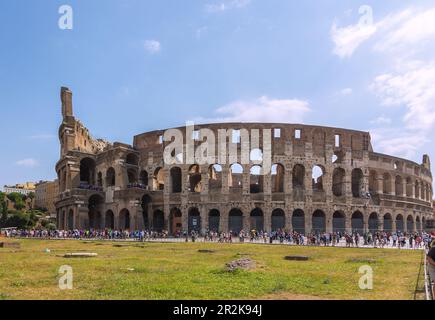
152, 46
43, 136
346, 91
348, 39
28, 163
381, 120
226, 5
262, 109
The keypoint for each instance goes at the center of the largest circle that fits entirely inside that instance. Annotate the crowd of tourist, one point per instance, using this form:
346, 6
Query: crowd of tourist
348, 239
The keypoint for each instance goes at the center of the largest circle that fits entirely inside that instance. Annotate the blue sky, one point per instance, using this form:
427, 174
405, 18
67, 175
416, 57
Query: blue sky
136, 66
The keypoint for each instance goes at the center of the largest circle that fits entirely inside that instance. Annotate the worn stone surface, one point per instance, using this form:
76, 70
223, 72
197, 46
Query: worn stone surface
242, 264
122, 186
13, 245
297, 258
80, 255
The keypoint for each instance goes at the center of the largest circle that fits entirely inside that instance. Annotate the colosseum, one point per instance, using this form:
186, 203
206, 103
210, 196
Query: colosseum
322, 179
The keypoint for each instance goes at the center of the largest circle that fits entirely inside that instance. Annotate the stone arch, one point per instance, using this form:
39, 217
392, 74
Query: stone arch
319, 221
357, 222
70, 221
298, 176
256, 179
388, 222
195, 183
132, 175
143, 178
215, 177
176, 221
410, 224
159, 179
235, 220
109, 220
338, 182
87, 171
94, 211
357, 182
176, 179
110, 177
194, 220
386, 183
278, 219
235, 176
158, 220
278, 175
398, 185
257, 220
132, 159
339, 222
373, 222
214, 220
298, 221
318, 173
124, 219
399, 223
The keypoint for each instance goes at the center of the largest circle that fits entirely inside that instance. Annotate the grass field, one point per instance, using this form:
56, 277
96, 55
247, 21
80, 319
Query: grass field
178, 271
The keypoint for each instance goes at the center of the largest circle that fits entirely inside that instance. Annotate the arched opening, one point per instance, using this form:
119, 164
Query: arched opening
417, 190
235, 178
94, 213
87, 171
423, 224
388, 223
214, 220
317, 178
158, 220
357, 222
159, 180
338, 182
357, 182
110, 177
176, 178
399, 223
70, 220
386, 183
410, 224
235, 221
100, 179
194, 220
124, 219
338, 222
109, 220
215, 177
373, 222
298, 176
195, 179
399, 186
132, 159
176, 221
319, 221
373, 182
143, 178
256, 179
132, 175
298, 221
409, 187
257, 221
145, 205
277, 178
278, 220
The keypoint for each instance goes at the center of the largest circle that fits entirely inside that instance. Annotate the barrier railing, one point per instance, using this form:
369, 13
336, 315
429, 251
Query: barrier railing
427, 280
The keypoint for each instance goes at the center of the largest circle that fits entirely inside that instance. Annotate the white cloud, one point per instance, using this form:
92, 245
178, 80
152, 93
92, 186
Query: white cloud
346, 91
412, 86
262, 109
152, 46
44, 136
348, 39
381, 120
29, 163
226, 5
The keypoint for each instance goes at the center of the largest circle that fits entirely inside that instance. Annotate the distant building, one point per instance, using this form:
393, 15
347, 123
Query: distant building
46, 194
25, 188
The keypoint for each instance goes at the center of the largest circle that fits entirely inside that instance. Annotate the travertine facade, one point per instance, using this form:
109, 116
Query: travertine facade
323, 179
